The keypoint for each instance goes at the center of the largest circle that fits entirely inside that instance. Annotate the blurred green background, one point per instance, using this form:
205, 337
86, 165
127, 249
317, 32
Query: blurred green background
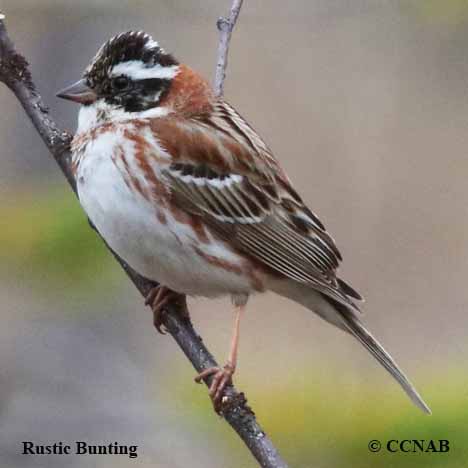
366, 104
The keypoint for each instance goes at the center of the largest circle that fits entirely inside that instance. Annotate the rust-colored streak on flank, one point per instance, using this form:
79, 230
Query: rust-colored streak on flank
217, 262
200, 230
256, 282
119, 154
143, 151
247, 269
130, 179
190, 220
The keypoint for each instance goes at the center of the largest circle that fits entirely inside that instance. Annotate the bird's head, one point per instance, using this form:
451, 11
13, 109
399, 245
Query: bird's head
129, 73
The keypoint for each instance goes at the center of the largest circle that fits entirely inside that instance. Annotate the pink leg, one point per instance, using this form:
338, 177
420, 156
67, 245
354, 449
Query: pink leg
223, 376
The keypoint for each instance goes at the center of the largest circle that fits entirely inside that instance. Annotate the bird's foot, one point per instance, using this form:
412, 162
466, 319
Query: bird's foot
222, 377
158, 298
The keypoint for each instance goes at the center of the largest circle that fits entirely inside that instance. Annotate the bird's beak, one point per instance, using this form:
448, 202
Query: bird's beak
78, 92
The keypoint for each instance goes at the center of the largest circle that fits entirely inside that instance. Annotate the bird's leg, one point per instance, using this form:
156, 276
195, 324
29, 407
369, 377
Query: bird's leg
223, 376
157, 298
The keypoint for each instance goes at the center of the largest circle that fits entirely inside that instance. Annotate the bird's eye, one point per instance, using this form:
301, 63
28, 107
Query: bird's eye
120, 83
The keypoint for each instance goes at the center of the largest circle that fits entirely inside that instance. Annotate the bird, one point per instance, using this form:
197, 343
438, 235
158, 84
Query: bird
184, 190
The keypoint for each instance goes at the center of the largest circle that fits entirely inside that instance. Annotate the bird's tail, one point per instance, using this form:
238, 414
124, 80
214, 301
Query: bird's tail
357, 329
348, 320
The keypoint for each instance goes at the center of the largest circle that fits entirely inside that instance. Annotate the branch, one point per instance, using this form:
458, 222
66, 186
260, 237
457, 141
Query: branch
14, 73
225, 28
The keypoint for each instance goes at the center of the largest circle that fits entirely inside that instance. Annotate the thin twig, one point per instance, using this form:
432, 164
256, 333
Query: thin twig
225, 28
14, 72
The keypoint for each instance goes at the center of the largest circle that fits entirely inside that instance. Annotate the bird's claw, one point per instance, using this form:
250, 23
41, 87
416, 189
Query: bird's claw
222, 377
158, 298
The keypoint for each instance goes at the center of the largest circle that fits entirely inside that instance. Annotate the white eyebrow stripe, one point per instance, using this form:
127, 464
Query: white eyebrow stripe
137, 70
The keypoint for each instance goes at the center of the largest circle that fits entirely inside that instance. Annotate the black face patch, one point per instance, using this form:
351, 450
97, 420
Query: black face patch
122, 91
138, 96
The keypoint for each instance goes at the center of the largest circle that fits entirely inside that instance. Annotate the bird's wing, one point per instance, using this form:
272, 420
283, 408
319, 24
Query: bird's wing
223, 172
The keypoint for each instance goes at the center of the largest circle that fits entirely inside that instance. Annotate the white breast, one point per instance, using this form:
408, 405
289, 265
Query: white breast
160, 248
